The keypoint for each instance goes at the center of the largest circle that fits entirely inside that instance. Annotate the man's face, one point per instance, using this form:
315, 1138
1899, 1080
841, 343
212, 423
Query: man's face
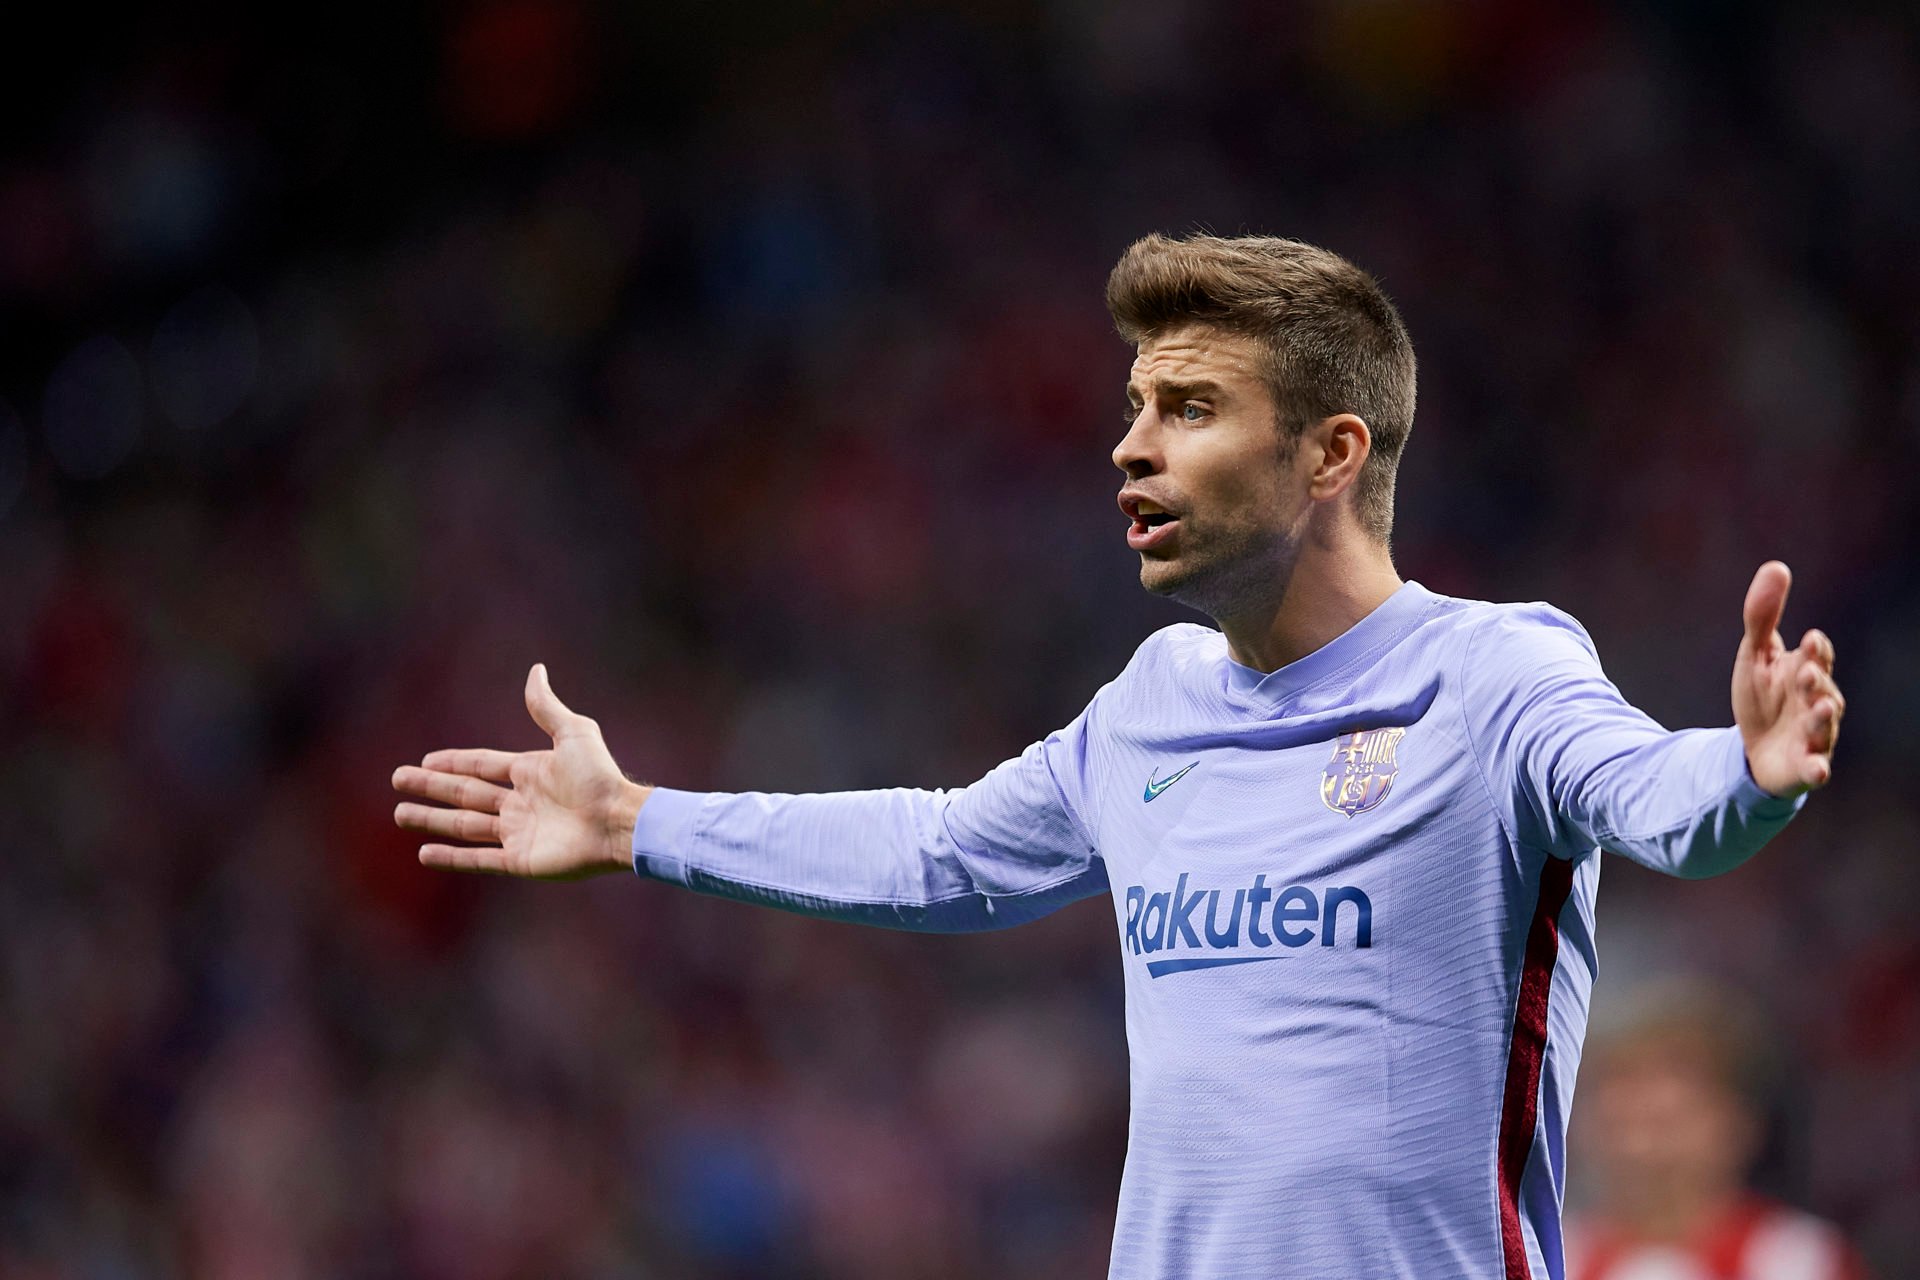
1660, 1123
1216, 497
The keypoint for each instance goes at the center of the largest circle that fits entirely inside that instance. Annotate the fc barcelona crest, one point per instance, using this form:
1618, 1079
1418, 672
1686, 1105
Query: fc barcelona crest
1362, 770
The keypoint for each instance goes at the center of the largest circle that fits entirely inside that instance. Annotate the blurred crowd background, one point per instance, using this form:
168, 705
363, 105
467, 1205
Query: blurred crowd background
748, 366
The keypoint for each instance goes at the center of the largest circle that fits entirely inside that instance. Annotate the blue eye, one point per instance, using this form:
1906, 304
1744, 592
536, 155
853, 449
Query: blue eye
1192, 412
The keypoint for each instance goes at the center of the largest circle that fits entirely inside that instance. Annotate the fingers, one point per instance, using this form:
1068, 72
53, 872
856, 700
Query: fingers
1820, 721
458, 790
483, 860
477, 762
1823, 724
551, 714
1823, 729
455, 824
1818, 649
1815, 685
1766, 599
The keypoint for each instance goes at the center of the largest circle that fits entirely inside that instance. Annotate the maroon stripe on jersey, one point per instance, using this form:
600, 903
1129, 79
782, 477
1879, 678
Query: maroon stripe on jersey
1524, 1054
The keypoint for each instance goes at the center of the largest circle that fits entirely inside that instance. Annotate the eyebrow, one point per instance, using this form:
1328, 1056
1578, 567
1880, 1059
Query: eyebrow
1169, 388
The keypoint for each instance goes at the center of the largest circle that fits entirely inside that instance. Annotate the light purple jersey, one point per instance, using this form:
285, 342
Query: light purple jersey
1354, 901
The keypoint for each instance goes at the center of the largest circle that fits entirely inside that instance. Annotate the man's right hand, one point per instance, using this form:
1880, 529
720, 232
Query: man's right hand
551, 815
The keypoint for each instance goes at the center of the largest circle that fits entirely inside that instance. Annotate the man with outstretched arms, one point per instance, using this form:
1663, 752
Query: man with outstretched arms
1351, 837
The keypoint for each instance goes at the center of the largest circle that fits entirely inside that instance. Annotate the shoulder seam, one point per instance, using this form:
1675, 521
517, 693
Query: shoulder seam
1060, 792
1361, 660
1466, 728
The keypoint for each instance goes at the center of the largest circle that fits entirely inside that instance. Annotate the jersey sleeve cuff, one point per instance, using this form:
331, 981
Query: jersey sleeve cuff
1747, 794
662, 833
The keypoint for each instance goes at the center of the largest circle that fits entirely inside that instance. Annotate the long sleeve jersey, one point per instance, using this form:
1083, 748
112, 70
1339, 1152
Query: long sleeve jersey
1354, 905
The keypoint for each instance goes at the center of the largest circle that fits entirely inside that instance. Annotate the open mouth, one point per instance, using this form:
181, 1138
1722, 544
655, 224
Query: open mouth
1151, 530
1152, 525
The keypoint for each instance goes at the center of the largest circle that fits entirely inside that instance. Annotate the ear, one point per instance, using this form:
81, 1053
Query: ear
1345, 441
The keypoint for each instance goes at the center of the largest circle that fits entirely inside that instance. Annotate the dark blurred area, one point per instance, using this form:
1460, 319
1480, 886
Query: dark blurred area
748, 366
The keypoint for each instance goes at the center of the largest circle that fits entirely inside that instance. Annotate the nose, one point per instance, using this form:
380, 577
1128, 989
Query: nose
1138, 454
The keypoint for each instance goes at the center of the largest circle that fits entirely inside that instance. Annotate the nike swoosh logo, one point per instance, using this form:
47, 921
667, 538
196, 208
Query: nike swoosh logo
1155, 788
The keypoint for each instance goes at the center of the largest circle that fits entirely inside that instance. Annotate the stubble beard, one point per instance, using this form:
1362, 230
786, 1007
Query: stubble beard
1227, 573
1232, 571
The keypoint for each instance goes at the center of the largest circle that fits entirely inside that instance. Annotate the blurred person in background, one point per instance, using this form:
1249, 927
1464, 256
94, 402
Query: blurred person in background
1669, 1127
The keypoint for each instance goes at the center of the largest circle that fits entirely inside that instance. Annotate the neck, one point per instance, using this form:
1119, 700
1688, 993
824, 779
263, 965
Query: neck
1685, 1212
1330, 587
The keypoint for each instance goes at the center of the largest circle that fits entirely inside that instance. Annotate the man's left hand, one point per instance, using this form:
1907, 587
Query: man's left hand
1784, 700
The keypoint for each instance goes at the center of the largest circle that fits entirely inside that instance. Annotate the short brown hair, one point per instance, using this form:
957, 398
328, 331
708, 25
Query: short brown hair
1334, 342
1690, 1023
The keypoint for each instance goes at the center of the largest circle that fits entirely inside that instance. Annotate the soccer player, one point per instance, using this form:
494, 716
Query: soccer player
1351, 837
1670, 1115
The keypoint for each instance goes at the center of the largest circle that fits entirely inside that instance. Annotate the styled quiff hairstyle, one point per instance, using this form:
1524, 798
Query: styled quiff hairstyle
1333, 341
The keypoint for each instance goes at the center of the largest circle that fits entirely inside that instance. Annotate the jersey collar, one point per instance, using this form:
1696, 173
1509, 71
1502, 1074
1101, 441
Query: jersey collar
1391, 619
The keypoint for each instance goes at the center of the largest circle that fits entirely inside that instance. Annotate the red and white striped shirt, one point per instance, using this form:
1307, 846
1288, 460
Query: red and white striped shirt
1758, 1239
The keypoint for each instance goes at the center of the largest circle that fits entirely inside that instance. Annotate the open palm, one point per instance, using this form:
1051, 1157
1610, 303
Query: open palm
1785, 700
557, 814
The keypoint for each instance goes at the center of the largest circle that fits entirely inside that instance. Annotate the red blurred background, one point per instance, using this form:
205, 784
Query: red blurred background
748, 367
